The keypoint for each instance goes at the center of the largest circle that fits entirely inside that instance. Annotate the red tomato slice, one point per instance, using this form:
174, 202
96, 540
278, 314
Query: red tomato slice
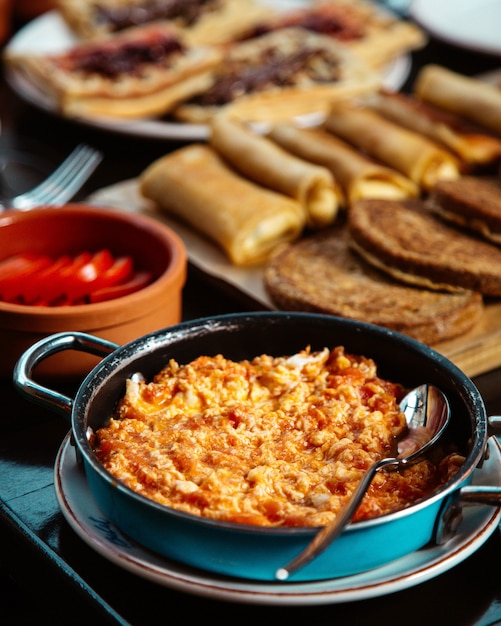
17, 265
90, 271
119, 272
39, 280
58, 284
19, 272
14, 264
87, 276
36, 291
137, 281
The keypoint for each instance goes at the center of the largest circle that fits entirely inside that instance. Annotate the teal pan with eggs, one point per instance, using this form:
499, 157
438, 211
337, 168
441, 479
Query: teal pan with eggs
246, 551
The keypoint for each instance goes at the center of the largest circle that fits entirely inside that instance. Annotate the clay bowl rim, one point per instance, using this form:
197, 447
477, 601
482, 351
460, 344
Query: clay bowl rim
174, 272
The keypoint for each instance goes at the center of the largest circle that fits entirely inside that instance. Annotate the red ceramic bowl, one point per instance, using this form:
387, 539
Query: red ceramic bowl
74, 228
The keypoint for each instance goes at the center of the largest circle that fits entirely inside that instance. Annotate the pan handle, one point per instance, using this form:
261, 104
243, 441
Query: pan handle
494, 425
480, 494
42, 349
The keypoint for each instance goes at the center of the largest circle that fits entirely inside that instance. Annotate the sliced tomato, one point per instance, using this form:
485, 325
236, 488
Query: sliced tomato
18, 273
98, 263
138, 280
119, 272
38, 280
86, 276
14, 264
18, 264
75, 281
36, 293
60, 282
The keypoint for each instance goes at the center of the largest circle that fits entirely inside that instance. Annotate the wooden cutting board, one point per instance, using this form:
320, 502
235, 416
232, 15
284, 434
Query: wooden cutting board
479, 350
475, 352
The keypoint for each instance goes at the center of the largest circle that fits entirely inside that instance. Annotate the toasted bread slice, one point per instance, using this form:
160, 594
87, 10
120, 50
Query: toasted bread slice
408, 241
322, 273
473, 203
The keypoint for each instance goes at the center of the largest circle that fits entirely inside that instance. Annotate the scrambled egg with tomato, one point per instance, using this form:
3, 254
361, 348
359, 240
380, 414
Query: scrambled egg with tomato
273, 441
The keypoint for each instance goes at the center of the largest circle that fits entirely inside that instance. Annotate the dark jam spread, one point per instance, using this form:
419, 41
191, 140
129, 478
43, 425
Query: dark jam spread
272, 70
120, 17
325, 21
128, 58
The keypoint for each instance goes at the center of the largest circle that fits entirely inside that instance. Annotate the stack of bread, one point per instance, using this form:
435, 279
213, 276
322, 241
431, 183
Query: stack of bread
389, 212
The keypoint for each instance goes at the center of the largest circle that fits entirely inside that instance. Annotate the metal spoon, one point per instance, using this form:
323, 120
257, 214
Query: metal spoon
427, 414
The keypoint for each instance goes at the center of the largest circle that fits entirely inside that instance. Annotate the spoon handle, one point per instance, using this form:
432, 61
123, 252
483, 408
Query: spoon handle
329, 532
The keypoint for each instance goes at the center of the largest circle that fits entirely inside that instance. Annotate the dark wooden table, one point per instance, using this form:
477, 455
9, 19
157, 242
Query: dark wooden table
48, 575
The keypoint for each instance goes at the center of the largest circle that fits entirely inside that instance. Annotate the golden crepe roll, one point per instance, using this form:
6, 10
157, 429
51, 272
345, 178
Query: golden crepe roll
415, 156
245, 220
264, 162
358, 175
474, 99
469, 142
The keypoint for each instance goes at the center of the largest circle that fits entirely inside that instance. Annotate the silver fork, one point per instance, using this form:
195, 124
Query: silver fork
62, 184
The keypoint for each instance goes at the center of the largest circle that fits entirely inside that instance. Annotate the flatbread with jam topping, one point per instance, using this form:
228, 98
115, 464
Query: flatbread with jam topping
204, 21
143, 71
373, 34
280, 76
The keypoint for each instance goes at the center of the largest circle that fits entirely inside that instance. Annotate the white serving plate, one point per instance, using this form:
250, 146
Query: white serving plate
472, 24
49, 33
84, 516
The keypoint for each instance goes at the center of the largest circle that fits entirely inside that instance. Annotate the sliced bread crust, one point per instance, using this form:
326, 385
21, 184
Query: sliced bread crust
322, 273
407, 240
471, 202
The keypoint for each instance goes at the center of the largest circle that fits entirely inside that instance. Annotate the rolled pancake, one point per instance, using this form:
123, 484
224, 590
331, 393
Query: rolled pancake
413, 155
245, 220
358, 175
474, 99
264, 162
469, 142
